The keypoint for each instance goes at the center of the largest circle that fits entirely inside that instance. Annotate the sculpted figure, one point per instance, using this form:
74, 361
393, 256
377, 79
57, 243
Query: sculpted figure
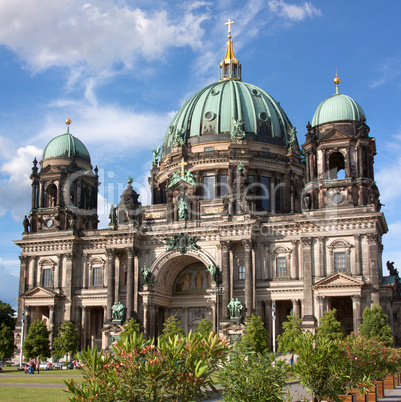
26, 224
147, 275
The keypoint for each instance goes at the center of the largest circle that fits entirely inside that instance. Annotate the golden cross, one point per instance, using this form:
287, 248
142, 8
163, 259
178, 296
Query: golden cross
229, 25
182, 164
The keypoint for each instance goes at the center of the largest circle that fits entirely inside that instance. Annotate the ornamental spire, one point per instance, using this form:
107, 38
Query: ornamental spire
337, 81
230, 67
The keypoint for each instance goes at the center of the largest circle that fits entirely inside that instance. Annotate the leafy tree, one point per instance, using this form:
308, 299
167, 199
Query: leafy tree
172, 327
292, 330
375, 325
249, 376
131, 327
255, 337
7, 345
330, 328
67, 341
7, 315
37, 344
204, 328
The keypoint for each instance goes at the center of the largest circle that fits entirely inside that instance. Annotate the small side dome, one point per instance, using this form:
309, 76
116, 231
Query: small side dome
338, 107
66, 146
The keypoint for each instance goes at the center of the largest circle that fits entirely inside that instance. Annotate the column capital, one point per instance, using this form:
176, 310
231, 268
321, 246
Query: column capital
226, 245
372, 238
69, 256
306, 241
130, 251
23, 259
110, 252
320, 299
356, 298
247, 245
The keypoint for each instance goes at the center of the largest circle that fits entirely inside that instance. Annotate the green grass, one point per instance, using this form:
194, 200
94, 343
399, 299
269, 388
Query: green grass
11, 394
38, 379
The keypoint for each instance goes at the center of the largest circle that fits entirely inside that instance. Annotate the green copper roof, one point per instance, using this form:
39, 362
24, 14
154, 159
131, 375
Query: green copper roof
213, 112
338, 107
66, 146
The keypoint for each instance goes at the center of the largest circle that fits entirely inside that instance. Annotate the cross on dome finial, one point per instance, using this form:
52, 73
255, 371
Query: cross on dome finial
183, 164
229, 22
337, 81
68, 122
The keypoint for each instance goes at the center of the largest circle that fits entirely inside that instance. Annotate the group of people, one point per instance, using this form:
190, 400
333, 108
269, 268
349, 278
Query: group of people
30, 367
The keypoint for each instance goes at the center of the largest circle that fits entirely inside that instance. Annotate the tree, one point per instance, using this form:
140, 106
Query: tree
330, 327
67, 341
7, 315
204, 328
375, 325
7, 345
255, 337
132, 326
292, 330
171, 328
37, 344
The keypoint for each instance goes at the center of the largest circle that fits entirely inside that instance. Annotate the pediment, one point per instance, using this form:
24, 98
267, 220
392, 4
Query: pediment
50, 169
339, 280
335, 135
39, 293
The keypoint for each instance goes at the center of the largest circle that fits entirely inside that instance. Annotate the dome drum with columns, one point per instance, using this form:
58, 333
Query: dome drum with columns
236, 205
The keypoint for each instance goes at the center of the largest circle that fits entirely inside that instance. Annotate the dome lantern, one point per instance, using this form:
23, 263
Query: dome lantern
230, 67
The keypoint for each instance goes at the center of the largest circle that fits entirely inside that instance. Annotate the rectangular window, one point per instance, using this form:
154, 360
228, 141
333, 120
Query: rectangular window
281, 267
340, 263
208, 149
97, 276
265, 187
223, 185
47, 278
208, 187
251, 179
265, 149
241, 272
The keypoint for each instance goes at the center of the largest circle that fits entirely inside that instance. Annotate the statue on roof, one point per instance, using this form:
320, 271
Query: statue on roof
237, 129
182, 209
26, 224
155, 153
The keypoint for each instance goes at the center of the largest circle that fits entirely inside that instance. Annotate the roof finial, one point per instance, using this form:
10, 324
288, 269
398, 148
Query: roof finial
229, 22
68, 122
337, 82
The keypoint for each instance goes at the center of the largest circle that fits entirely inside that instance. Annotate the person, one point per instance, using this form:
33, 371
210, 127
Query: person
291, 359
37, 365
31, 367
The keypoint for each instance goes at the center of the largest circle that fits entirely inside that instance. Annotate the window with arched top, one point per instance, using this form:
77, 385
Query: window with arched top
96, 272
46, 273
340, 251
281, 262
336, 166
51, 196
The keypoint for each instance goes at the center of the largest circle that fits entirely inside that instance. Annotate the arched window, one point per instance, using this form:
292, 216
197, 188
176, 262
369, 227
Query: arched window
336, 166
51, 196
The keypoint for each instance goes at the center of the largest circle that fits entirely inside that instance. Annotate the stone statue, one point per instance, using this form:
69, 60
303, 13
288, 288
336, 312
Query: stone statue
237, 130
112, 215
155, 153
307, 201
237, 308
214, 272
26, 224
182, 209
292, 141
189, 178
231, 308
147, 275
118, 311
390, 266
179, 138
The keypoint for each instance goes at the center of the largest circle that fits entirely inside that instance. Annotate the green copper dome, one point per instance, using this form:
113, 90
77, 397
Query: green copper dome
338, 107
66, 146
219, 109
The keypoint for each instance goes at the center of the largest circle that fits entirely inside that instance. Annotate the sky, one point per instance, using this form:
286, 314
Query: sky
122, 69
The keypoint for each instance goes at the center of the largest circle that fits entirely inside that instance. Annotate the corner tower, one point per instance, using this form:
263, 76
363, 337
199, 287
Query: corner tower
64, 190
339, 156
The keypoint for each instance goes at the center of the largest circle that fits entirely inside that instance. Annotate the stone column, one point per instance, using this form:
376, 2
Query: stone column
86, 259
231, 271
254, 277
152, 320
69, 287
146, 307
320, 301
84, 327
22, 283
295, 308
358, 268
273, 196
40, 194
374, 277
110, 283
130, 282
57, 274
225, 250
308, 319
356, 309
248, 277
137, 254
320, 272
51, 324
294, 259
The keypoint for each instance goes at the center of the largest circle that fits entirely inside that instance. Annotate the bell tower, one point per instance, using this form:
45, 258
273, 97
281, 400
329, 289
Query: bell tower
339, 156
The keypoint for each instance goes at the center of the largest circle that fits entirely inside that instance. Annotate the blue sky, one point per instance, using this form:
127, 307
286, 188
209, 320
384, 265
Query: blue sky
121, 69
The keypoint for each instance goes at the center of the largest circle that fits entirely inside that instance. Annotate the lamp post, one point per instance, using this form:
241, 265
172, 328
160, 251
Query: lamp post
22, 336
274, 325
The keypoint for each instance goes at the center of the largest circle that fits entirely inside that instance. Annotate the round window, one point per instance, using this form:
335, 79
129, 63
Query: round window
263, 116
209, 115
255, 92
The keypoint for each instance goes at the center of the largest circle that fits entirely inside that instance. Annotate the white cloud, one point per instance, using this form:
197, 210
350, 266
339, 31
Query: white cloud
16, 184
293, 12
389, 71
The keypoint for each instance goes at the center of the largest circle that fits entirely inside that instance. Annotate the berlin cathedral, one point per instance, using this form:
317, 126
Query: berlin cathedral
240, 211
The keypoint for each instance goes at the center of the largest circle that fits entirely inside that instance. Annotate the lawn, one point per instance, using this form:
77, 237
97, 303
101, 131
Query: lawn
18, 394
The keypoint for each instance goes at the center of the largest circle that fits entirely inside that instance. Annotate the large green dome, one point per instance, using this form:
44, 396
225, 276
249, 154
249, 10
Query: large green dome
338, 107
212, 113
66, 146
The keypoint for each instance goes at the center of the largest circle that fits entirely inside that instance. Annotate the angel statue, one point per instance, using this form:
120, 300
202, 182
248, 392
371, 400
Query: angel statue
155, 153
